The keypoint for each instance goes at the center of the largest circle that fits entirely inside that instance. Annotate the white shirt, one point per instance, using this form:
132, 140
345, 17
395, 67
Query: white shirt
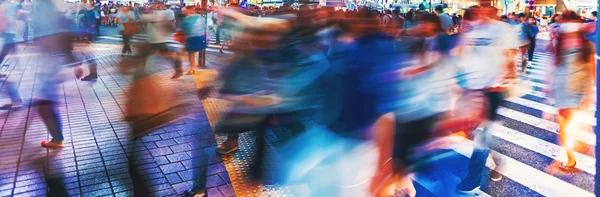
157, 23
170, 14
482, 62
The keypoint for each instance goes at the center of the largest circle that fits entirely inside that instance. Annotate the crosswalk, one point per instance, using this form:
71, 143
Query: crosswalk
138, 38
530, 145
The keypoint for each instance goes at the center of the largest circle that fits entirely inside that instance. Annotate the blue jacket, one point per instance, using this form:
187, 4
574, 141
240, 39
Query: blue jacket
530, 30
89, 18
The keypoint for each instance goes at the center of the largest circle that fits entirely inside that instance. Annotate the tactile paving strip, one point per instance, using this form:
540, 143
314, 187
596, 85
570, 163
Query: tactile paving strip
237, 164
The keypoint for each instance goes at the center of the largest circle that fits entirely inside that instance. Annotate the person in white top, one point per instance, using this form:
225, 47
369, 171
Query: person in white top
485, 64
158, 29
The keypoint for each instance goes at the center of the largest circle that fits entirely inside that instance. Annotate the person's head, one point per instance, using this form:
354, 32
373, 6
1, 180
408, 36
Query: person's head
430, 24
189, 10
504, 18
90, 7
595, 15
570, 16
531, 20
388, 12
522, 17
555, 18
125, 8
439, 9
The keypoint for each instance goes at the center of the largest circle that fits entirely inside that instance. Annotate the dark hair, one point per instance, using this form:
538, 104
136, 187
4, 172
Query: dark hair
570, 15
553, 18
521, 15
439, 9
504, 17
410, 16
432, 18
594, 13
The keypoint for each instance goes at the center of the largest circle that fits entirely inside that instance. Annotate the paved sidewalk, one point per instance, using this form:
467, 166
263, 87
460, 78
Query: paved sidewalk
94, 160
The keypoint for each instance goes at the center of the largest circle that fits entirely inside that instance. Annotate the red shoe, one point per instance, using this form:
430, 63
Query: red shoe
51, 144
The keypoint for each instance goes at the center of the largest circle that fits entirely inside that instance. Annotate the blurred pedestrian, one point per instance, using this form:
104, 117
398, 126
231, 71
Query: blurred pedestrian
194, 28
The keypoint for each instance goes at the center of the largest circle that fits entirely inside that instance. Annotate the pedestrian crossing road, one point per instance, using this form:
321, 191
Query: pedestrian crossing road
530, 145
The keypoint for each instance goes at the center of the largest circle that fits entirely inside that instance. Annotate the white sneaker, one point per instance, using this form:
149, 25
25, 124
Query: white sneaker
529, 64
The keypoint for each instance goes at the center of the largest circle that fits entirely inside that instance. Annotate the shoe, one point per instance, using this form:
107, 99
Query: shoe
191, 72
177, 75
51, 144
90, 78
227, 147
192, 194
204, 92
529, 65
11, 106
466, 188
495, 176
565, 168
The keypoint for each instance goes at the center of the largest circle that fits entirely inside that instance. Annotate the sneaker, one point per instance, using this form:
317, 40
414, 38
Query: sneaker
51, 144
466, 188
529, 65
495, 176
90, 78
227, 147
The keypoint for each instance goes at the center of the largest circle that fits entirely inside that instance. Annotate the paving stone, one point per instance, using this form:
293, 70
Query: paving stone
178, 157
89, 188
173, 178
180, 188
173, 167
214, 180
214, 192
160, 151
227, 190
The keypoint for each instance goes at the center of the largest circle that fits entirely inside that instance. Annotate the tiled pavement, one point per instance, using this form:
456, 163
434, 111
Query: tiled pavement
94, 159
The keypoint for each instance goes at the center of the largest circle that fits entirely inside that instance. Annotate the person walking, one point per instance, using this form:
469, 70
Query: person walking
126, 19
531, 31
194, 28
571, 80
491, 43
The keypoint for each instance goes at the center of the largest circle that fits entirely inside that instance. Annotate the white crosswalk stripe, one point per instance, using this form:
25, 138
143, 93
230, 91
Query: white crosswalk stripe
170, 42
530, 144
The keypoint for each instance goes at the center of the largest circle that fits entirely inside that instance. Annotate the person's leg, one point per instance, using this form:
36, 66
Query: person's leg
13, 93
218, 35
90, 32
8, 46
140, 185
93, 72
127, 42
26, 32
97, 27
523, 50
193, 62
564, 116
199, 173
531, 50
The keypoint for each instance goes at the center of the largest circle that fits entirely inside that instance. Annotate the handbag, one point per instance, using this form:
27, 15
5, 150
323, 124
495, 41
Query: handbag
151, 105
130, 29
179, 37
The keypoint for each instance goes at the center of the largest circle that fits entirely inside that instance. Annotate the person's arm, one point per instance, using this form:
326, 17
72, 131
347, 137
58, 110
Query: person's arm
250, 22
